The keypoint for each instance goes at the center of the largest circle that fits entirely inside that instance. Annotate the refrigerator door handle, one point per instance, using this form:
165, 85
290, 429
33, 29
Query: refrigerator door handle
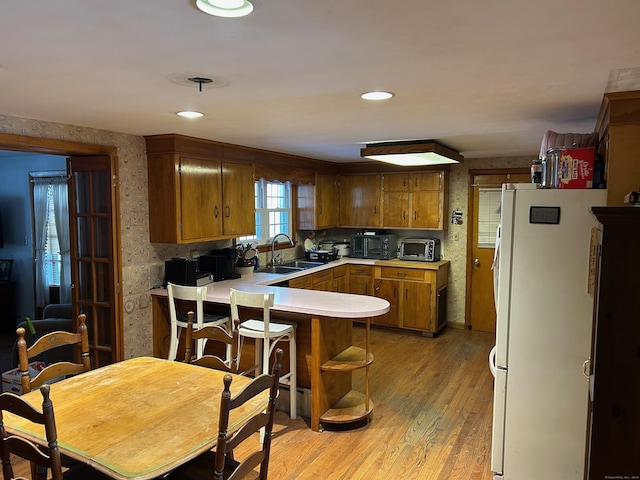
492, 360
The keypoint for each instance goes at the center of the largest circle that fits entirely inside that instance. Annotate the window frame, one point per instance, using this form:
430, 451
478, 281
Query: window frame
263, 212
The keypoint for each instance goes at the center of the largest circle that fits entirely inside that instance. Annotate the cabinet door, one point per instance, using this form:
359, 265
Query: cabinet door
200, 198
390, 291
425, 181
395, 209
426, 210
360, 285
301, 282
416, 305
360, 200
326, 201
341, 284
239, 199
395, 182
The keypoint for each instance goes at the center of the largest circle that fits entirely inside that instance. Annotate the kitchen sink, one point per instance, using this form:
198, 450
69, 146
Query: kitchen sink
291, 266
302, 264
280, 269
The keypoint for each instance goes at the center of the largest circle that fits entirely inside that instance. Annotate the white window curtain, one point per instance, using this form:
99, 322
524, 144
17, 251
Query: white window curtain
40, 214
45, 184
61, 209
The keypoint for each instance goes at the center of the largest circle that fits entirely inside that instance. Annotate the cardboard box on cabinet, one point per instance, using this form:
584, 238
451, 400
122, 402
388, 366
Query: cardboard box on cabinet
575, 168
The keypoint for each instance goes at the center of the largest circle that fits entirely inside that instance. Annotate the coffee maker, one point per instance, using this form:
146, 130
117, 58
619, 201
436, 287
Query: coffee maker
221, 263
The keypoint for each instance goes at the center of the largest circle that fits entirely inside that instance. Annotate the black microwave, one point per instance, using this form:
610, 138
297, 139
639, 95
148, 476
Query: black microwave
382, 247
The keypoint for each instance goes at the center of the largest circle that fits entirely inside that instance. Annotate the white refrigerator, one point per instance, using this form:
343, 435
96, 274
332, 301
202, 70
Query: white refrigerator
543, 333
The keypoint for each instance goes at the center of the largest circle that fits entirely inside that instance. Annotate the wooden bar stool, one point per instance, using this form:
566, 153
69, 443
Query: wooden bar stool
266, 335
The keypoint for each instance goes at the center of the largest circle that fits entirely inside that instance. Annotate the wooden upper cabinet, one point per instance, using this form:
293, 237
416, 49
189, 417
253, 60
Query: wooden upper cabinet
414, 200
618, 127
318, 204
200, 199
238, 196
195, 198
395, 182
360, 200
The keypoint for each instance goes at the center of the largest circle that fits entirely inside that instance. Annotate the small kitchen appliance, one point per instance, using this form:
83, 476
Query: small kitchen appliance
184, 271
221, 263
420, 249
381, 246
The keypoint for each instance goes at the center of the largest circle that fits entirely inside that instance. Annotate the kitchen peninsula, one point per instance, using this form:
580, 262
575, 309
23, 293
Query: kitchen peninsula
324, 338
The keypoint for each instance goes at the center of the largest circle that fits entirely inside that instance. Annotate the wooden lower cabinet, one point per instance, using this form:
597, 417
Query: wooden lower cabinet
340, 279
416, 292
322, 281
361, 279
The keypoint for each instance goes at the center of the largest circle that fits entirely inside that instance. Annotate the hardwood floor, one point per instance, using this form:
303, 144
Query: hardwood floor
431, 419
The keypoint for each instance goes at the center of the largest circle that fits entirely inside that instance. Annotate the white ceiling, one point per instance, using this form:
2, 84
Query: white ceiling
486, 78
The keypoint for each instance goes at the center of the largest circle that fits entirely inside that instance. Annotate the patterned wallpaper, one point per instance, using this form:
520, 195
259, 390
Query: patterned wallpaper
456, 251
143, 262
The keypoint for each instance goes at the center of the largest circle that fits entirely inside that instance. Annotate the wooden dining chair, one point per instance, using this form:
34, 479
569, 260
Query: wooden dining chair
215, 334
41, 459
221, 464
48, 342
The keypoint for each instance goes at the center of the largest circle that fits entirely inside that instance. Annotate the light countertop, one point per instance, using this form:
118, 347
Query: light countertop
295, 300
311, 302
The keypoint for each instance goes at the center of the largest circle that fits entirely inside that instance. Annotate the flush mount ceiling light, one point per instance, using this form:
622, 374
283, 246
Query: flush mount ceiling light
411, 153
190, 114
376, 95
225, 8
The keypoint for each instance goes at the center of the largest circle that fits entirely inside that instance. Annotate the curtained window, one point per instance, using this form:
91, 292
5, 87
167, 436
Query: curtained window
52, 242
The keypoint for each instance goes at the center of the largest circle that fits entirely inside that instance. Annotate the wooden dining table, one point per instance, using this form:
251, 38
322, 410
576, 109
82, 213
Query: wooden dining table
139, 418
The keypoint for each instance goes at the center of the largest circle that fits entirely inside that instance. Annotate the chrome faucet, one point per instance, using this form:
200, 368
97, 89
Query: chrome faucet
273, 247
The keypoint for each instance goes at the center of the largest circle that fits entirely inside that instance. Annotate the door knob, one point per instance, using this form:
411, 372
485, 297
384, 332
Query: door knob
476, 262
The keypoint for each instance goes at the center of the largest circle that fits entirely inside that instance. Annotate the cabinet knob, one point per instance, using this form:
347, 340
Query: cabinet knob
227, 211
216, 211
476, 262
586, 366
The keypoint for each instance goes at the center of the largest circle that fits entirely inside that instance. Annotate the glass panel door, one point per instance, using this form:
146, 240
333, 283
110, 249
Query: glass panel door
92, 220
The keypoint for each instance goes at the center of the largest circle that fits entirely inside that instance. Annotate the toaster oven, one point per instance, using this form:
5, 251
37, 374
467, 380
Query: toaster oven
420, 249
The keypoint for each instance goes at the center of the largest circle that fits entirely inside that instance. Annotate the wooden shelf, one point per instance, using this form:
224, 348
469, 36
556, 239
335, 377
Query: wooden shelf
352, 358
350, 408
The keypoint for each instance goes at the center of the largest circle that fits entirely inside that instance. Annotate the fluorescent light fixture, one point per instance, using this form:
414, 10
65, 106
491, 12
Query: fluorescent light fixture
376, 95
190, 114
411, 153
225, 8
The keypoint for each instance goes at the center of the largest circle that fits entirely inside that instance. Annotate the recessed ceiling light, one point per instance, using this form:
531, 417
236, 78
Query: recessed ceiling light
225, 8
376, 95
190, 114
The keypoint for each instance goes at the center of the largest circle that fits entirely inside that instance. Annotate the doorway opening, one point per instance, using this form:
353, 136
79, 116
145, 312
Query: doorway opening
94, 237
